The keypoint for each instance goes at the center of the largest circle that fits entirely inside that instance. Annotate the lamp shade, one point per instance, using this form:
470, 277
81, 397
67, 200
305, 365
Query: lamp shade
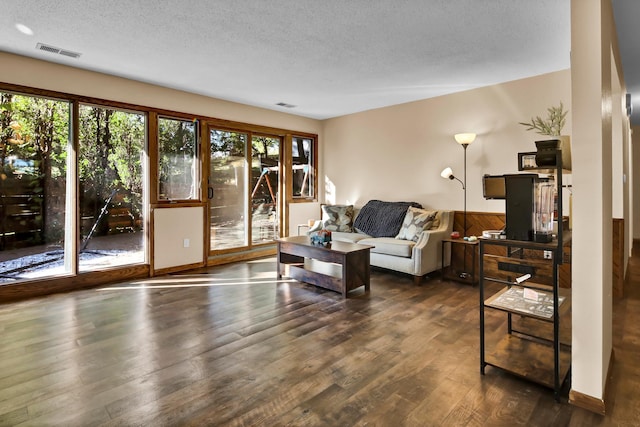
446, 173
465, 138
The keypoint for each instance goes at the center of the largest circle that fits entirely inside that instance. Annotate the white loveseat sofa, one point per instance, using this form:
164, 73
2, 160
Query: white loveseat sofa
417, 257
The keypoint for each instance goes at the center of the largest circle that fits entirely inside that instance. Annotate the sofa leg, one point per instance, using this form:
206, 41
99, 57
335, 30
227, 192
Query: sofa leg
417, 280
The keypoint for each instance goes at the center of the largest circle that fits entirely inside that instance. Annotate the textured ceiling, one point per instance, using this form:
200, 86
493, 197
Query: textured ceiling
328, 58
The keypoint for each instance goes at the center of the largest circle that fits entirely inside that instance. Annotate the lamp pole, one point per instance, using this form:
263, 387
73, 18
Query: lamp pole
464, 187
463, 139
464, 274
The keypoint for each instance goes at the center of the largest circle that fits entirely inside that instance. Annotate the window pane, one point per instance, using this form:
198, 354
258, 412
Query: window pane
177, 157
303, 167
34, 134
265, 159
110, 160
228, 189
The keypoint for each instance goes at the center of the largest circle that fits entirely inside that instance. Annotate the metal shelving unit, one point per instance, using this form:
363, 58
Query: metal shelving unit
528, 350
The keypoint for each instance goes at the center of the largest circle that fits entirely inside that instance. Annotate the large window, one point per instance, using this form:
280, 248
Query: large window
73, 182
177, 159
34, 137
37, 192
303, 153
110, 167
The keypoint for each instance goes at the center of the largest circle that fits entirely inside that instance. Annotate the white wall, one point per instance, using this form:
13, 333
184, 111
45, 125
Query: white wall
397, 153
635, 155
301, 213
617, 145
178, 237
25, 71
591, 76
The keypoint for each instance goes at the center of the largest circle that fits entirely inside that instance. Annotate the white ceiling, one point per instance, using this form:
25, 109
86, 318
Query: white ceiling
326, 57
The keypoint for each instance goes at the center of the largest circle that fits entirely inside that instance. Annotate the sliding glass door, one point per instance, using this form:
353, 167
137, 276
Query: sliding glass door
110, 168
243, 189
34, 143
38, 220
227, 189
265, 180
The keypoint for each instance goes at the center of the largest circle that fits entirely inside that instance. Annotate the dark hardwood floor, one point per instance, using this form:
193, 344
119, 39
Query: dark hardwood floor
230, 346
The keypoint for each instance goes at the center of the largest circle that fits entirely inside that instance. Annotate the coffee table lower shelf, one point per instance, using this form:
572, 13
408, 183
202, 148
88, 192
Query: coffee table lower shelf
323, 280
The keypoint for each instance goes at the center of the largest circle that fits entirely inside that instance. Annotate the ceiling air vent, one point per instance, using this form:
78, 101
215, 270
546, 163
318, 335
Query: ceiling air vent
285, 105
53, 49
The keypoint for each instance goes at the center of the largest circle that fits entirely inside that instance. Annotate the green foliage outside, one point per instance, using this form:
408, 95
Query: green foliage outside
33, 139
110, 156
177, 148
34, 145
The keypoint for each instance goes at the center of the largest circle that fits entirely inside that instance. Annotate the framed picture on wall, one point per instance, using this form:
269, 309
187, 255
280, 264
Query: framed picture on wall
527, 161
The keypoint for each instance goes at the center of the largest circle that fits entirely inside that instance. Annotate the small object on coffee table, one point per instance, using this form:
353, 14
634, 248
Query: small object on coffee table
320, 237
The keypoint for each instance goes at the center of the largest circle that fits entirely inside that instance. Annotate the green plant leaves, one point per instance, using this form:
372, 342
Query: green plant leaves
551, 125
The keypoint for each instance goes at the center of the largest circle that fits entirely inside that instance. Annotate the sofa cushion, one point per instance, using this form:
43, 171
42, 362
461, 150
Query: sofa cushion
415, 222
338, 236
337, 218
390, 246
382, 219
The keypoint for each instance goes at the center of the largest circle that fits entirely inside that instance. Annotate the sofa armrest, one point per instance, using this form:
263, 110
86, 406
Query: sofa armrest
427, 256
427, 253
317, 225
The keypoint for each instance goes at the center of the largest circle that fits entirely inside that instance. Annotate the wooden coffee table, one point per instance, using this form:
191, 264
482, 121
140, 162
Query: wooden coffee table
339, 266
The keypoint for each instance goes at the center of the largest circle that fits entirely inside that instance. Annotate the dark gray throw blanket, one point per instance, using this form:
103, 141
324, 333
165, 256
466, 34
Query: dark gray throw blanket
382, 219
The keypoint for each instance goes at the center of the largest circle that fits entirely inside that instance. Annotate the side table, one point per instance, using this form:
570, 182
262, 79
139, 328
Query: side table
464, 274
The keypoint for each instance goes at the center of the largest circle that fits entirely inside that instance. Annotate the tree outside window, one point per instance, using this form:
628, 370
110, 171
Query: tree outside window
177, 159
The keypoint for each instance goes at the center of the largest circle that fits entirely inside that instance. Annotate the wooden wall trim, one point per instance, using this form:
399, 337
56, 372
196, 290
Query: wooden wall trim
176, 269
25, 290
590, 403
262, 252
477, 222
587, 402
618, 256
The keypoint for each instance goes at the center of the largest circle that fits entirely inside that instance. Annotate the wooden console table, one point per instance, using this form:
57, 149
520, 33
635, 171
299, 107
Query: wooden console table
339, 266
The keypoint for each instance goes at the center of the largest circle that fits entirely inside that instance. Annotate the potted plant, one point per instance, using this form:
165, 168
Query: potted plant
551, 126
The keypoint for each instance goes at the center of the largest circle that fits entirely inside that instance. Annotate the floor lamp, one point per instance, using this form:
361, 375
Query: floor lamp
463, 139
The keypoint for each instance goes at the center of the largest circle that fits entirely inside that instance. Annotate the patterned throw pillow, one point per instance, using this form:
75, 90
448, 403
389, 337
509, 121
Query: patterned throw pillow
337, 218
436, 220
415, 222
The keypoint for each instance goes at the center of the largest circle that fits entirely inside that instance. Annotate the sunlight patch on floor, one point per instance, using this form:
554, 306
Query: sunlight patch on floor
188, 283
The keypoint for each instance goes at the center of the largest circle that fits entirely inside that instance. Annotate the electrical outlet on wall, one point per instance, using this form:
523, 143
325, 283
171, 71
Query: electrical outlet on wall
548, 254
185, 243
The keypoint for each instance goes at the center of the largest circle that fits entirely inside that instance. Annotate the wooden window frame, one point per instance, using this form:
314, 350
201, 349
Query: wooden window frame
48, 285
198, 181
314, 170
